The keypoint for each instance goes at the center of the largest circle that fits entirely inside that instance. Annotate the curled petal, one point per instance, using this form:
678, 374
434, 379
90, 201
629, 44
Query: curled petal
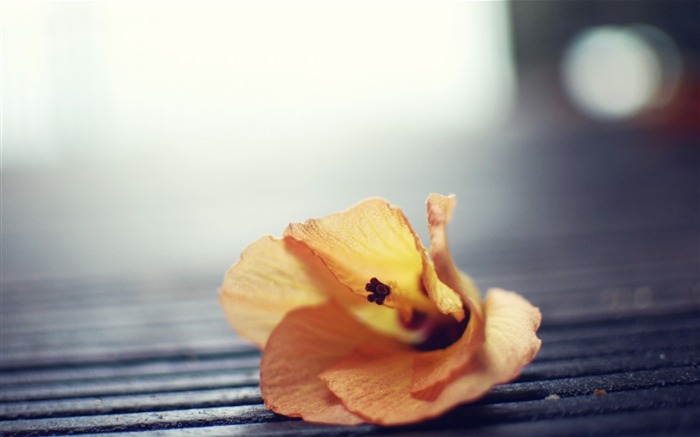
306, 342
273, 277
377, 385
434, 370
444, 297
439, 215
370, 240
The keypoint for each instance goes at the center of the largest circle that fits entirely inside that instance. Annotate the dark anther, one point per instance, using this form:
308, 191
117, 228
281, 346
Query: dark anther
379, 291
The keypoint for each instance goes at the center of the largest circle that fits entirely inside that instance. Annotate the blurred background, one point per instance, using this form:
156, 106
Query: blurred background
151, 138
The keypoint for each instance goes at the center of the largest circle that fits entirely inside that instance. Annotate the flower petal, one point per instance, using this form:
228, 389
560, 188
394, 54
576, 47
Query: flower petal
511, 333
273, 277
376, 385
445, 299
306, 342
439, 215
435, 369
371, 239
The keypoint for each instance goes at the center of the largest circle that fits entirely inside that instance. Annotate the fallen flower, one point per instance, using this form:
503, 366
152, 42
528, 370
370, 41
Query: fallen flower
359, 323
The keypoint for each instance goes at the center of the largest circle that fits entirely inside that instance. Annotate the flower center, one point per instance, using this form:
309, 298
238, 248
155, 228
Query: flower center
442, 334
379, 291
436, 331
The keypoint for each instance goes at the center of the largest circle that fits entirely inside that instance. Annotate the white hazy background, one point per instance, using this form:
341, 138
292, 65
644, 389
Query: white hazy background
138, 133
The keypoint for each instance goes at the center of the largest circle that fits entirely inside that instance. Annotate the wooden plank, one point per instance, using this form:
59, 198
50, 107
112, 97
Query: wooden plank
141, 421
109, 370
123, 386
131, 403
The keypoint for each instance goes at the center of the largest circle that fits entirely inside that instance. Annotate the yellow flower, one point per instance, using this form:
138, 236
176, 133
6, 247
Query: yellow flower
358, 323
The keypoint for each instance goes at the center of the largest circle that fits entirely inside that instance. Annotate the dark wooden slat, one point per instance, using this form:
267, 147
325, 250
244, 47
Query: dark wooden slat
554, 333
607, 364
111, 370
621, 343
116, 337
125, 354
661, 421
609, 266
586, 404
124, 386
281, 428
556, 281
131, 403
684, 282
588, 384
135, 421
184, 312
103, 288
84, 294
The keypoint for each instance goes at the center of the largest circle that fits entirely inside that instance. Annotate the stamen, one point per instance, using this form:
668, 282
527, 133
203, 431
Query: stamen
379, 291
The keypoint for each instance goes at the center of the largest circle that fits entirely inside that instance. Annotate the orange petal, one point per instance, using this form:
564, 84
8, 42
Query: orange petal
511, 333
445, 299
506, 311
371, 239
307, 341
433, 370
439, 215
273, 277
377, 386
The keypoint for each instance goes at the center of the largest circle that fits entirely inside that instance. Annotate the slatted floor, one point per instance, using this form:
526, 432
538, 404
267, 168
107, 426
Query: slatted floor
150, 356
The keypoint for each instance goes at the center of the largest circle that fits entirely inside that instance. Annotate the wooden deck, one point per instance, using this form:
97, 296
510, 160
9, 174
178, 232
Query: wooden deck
152, 354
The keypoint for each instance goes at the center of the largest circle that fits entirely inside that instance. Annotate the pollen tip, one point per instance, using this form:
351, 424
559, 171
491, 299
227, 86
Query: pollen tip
379, 291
